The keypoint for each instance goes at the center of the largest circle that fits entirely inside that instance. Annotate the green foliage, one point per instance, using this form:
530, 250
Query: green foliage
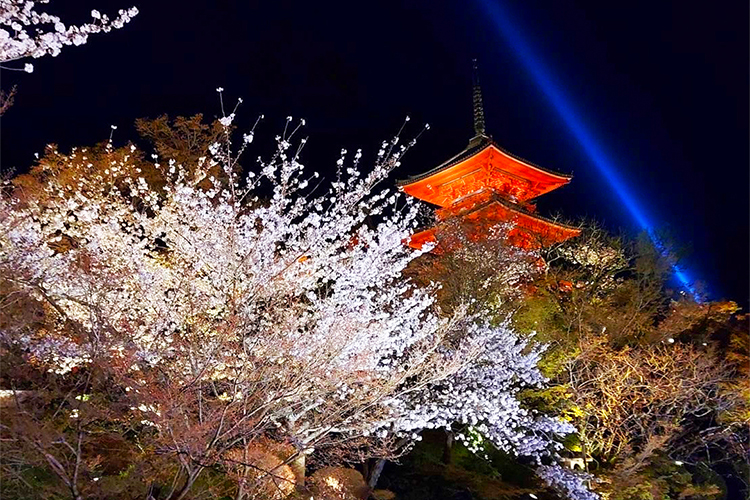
663, 479
425, 475
538, 314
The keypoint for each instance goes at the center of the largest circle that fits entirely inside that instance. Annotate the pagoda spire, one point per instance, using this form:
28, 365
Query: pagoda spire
479, 130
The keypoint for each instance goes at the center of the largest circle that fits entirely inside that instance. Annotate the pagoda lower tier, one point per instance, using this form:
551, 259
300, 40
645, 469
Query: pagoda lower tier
479, 214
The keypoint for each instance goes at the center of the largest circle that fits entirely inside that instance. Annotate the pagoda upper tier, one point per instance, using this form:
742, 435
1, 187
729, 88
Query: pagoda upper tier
483, 165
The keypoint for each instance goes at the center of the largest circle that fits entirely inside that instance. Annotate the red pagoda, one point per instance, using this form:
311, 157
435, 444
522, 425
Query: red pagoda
485, 185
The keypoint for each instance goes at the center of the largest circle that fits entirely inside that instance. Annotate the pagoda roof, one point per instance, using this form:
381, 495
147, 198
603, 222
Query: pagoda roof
530, 180
477, 145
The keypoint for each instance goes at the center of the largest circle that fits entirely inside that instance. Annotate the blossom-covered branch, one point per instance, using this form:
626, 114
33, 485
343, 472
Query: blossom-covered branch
22, 35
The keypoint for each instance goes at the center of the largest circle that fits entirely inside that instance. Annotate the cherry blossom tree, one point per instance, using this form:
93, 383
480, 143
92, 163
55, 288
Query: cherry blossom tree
221, 311
22, 35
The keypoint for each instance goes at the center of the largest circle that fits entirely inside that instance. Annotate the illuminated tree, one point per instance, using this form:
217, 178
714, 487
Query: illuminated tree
653, 380
210, 314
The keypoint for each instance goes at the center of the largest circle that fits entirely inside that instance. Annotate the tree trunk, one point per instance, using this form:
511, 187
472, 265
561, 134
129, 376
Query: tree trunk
447, 447
154, 492
375, 474
298, 468
180, 495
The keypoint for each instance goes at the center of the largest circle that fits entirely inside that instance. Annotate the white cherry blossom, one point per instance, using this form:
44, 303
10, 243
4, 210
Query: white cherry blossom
292, 300
27, 32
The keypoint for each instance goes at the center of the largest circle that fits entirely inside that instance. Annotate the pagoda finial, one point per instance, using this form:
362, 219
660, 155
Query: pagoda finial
478, 105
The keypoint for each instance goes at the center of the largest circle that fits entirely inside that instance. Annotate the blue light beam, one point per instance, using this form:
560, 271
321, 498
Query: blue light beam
550, 87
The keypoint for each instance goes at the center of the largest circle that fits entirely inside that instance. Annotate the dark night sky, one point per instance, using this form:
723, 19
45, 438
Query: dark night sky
663, 85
